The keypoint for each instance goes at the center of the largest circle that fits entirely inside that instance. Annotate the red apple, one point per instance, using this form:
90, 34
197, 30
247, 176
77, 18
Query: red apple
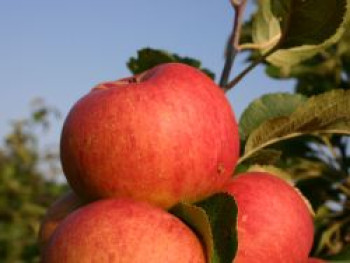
55, 214
316, 260
164, 136
123, 231
274, 222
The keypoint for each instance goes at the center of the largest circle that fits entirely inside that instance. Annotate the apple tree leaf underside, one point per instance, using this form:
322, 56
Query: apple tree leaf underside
321, 114
267, 107
214, 220
298, 29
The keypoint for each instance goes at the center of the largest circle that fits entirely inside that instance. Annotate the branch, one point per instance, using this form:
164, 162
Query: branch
232, 47
241, 75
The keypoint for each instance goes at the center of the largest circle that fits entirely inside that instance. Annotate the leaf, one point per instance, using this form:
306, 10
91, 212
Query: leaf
307, 28
313, 68
267, 107
262, 157
308, 22
325, 113
297, 29
266, 30
197, 218
286, 58
148, 58
215, 220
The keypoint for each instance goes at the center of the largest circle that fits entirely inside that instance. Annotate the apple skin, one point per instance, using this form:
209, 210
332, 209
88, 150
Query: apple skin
316, 260
62, 207
123, 231
274, 223
164, 136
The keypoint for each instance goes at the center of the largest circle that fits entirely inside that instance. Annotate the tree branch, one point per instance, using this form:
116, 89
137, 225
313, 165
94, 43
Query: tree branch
232, 47
241, 75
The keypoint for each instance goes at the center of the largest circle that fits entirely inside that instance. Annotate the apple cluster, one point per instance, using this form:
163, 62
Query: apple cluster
134, 148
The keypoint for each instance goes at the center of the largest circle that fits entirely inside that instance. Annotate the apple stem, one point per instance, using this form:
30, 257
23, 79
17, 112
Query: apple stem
232, 47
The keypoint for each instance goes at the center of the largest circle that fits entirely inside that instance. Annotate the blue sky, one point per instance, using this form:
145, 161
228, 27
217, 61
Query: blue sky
59, 50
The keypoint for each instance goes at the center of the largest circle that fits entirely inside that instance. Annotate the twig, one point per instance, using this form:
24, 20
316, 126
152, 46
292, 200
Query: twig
241, 75
232, 47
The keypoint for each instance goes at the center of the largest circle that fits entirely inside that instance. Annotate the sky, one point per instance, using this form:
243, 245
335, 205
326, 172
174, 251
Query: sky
58, 50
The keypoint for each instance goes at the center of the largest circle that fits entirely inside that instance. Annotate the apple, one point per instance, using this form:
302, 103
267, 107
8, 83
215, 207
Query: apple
274, 223
164, 136
55, 214
316, 260
123, 231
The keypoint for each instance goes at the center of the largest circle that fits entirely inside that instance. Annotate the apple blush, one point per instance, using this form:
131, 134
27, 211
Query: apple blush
274, 222
164, 136
123, 231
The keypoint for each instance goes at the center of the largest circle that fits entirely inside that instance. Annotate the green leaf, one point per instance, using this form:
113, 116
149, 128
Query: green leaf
297, 29
267, 107
307, 28
198, 220
308, 69
325, 113
262, 157
266, 30
286, 58
148, 58
214, 220
308, 22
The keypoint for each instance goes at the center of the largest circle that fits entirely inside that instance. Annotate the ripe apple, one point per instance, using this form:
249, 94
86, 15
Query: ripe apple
274, 223
123, 231
164, 136
55, 214
316, 260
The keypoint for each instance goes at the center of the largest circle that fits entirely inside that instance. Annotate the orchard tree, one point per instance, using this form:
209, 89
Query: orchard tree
27, 184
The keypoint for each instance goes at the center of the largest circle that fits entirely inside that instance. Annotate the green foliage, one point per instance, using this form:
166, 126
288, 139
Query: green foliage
148, 58
25, 191
310, 22
265, 30
259, 157
325, 113
321, 171
214, 219
316, 156
267, 107
297, 30
326, 71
